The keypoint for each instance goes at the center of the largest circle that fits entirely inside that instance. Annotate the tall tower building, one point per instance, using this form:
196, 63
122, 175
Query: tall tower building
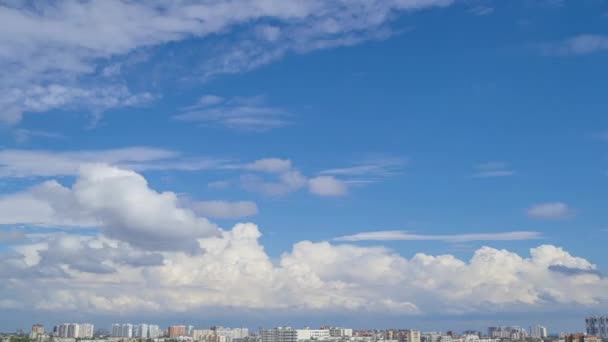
597, 326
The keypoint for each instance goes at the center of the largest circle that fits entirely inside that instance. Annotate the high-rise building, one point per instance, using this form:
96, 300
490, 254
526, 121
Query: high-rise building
538, 331
74, 330
510, 332
141, 331
279, 334
177, 330
37, 330
154, 331
597, 326
85, 330
122, 330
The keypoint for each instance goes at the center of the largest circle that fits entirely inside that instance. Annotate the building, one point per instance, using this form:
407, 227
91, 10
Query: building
85, 330
37, 330
140, 331
340, 332
538, 331
124, 330
202, 334
508, 332
74, 330
597, 326
177, 330
279, 334
231, 333
408, 336
312, 334
154, 331
581, 338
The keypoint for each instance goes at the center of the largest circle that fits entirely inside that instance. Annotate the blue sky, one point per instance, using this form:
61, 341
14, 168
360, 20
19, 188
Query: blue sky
435, 127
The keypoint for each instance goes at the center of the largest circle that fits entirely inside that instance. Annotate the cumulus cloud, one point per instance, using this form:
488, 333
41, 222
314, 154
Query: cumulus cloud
327, 186
399, 235
550, 211
118, 201
235, 271
279, 176
224, 209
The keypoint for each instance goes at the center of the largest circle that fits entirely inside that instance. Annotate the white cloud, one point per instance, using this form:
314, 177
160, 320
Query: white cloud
481, 10
375, 168
492, 169
288, 181
23, 136
270, 165
224, 209
44, 98
327, 186
235, 272
583, 44
550, 211
57, 55
32, 163
119, 202
280, 177
242, 113
399, 235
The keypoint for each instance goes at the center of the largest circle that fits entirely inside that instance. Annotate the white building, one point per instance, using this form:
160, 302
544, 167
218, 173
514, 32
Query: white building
122, 330
201, 334
140, 331
232, 333
312, 334
74, 330
85, 330
279, 334
154, 331
340, 332
538, 331
512, 332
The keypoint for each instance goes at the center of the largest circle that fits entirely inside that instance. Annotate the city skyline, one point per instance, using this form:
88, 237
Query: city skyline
439, 164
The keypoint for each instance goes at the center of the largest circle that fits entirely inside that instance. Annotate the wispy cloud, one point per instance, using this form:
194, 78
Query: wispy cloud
492, 169
602, 136
43, 163
583, 44
481, 10
23, 136
550, 211
44, 42
241, 113
370, 169
400, 235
